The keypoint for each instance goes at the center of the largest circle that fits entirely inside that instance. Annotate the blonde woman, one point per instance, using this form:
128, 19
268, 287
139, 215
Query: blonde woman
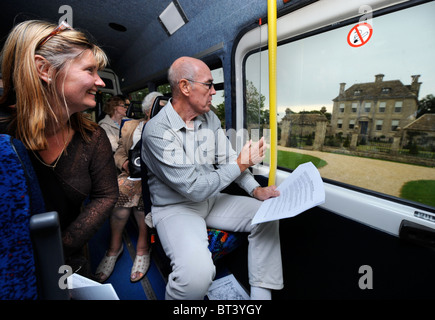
50, 77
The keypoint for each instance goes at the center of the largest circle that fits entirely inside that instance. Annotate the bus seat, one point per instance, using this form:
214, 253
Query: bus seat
158, 104
22, 260
123, 121
220, 242
134, 110
48, 251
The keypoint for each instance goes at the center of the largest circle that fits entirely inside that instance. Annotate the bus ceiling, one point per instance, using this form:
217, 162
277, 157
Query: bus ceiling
133, 35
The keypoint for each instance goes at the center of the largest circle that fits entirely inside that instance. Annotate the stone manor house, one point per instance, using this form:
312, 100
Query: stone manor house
381, 112
375, 109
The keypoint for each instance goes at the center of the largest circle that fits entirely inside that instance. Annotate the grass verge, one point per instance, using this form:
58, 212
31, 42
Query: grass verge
419, 190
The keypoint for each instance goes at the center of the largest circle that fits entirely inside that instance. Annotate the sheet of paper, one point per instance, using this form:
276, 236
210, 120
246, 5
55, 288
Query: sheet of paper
82, 288
302, 190
102, 292
227, 288
78, 281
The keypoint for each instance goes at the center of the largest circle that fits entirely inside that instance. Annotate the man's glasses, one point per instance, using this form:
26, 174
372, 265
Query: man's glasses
61, 27
209, 85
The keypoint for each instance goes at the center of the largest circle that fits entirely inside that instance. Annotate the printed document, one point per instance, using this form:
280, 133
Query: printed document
82, 288
227, 288
302, 190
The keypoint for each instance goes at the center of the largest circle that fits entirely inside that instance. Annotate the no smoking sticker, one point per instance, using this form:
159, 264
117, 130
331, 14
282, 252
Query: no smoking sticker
359, 35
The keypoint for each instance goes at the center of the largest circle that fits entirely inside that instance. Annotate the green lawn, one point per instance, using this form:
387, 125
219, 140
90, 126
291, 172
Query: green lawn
291, 160
420, 190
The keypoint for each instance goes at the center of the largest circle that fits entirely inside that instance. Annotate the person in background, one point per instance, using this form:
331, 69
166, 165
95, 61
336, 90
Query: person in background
190, 161
115, 109
50, 77
130, 199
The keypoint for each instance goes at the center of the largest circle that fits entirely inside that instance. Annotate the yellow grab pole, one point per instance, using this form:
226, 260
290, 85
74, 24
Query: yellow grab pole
272, 43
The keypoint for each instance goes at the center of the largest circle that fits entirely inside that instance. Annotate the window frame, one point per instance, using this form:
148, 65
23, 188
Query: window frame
354, 202
398, 105
394, 127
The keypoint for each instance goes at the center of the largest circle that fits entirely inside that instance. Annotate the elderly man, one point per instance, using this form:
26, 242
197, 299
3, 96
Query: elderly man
190, 161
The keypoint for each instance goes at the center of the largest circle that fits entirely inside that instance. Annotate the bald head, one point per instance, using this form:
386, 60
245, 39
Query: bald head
192, 87
184, 68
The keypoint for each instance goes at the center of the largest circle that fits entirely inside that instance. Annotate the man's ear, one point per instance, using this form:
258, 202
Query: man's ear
43, 68
184, 86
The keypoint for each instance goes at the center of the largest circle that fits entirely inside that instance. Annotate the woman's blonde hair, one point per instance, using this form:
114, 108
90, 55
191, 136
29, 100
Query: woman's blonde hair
23, 87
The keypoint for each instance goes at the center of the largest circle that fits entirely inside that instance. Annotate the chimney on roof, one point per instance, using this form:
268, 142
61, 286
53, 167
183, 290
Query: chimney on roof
379, 77
415, 85
342, 85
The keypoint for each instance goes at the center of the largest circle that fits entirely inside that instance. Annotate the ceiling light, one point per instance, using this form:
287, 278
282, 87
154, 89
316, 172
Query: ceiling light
173, 17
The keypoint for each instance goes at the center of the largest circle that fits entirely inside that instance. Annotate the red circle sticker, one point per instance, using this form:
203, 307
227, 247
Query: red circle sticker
359, 35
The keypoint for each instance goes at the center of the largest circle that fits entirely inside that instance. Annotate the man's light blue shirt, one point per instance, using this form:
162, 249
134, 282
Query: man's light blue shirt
189, 164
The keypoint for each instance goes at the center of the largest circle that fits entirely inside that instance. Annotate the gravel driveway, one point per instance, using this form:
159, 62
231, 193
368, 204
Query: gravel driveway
378, 175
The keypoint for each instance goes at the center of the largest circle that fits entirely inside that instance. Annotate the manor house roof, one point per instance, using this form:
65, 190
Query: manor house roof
391, 89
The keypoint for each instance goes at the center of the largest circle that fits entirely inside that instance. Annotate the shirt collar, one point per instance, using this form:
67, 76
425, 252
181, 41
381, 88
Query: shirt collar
175, 120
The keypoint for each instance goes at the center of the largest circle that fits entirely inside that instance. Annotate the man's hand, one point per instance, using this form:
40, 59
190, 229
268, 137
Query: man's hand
265, 193
252, 153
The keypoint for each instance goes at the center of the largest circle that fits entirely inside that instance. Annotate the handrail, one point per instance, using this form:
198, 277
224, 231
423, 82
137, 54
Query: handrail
272, 43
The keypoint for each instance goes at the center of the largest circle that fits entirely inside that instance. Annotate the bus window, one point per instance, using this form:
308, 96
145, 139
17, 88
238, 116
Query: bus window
360, 114
219, 98
164, 89
138, 95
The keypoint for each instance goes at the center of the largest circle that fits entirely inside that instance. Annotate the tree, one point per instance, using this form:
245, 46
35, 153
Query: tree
426, 105
321, 111
254, 105
165, 89
220, 112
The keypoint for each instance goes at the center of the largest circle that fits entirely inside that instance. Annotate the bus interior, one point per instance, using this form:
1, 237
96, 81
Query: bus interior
358, 103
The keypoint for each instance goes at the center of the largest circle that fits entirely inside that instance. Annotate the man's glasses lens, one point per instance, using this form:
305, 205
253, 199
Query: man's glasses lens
209, 85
